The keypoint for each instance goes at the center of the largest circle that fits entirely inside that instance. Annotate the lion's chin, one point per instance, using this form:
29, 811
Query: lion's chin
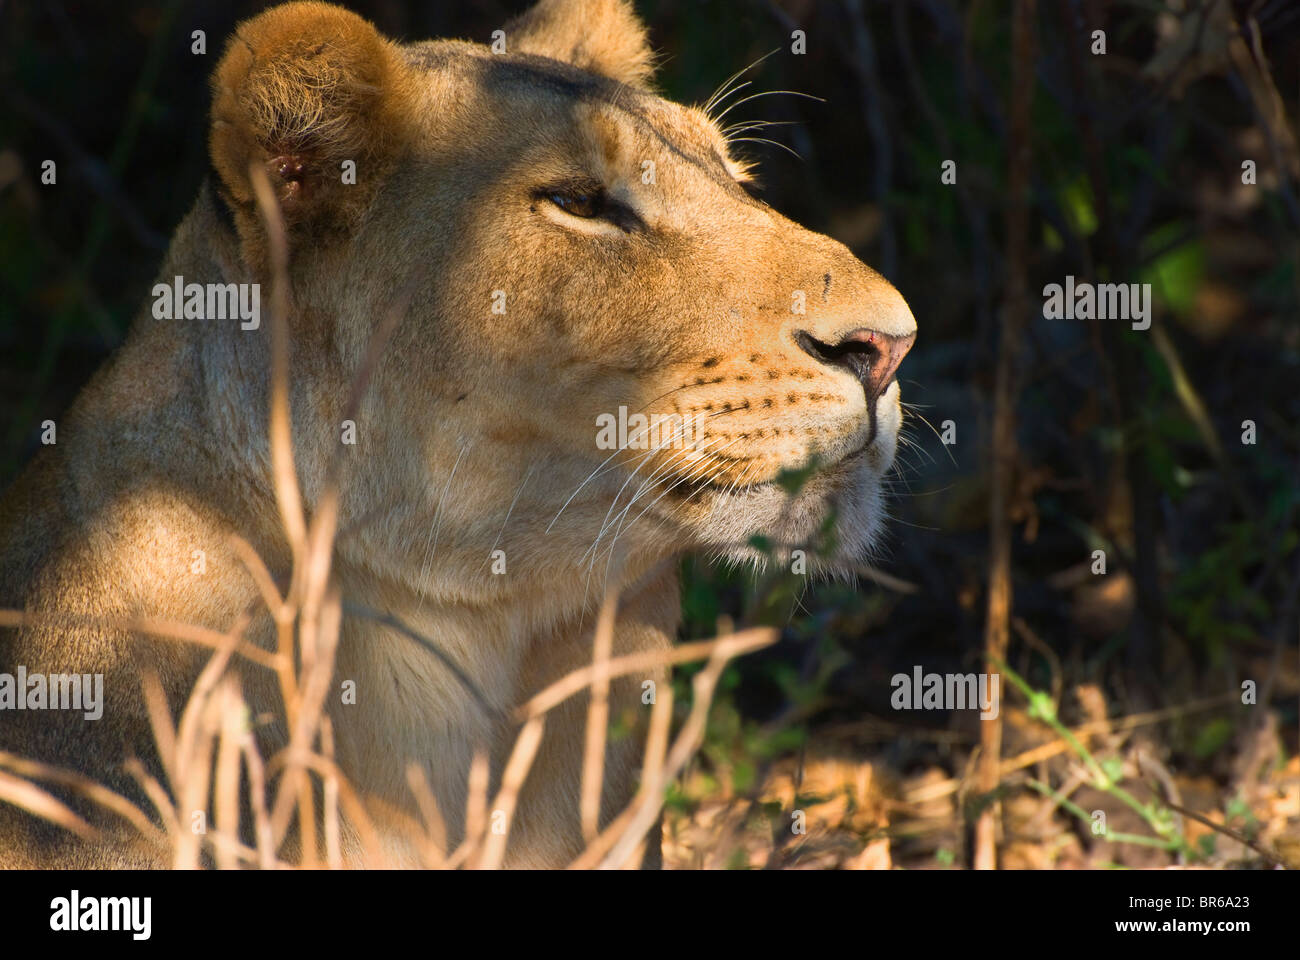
835, 519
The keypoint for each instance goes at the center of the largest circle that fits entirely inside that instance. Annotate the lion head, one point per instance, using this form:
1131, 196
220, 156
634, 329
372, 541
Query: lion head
610, 350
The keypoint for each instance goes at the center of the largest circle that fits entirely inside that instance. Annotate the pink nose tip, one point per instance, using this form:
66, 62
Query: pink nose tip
871, 356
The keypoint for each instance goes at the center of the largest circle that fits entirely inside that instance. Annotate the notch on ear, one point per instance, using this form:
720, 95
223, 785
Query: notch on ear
600, 36
302, 89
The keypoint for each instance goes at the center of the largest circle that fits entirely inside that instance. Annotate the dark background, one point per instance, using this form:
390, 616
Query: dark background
1127, 441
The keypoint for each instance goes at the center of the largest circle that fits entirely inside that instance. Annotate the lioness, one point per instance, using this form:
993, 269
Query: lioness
576, 251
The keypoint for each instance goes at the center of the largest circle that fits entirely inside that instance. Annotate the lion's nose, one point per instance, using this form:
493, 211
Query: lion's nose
871, 356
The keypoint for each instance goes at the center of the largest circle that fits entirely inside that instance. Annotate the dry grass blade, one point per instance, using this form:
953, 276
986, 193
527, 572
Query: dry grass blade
151, 626
651, 795
434, 851
1227, 831
226, 792
281, 436
354, 810
661, 718
888, 580
593, 761
257, 798
512, 780
188, 732
656, 745
157, 796
475, 810
262, 577
160, 723
195, 768
732, 645
333, 831
619, 843
33, 799
294, 787
95, 792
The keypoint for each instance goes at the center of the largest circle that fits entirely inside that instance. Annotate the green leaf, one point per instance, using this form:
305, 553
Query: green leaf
1176, 275
1113, 767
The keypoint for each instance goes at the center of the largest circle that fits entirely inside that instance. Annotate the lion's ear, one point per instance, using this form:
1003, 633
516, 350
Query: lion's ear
600, 36
302, 90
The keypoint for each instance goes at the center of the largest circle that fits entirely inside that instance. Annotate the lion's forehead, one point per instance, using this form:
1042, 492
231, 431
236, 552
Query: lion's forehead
621, 119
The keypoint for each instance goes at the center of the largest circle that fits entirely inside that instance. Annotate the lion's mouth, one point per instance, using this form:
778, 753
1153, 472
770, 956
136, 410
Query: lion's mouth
824, 473
828, 471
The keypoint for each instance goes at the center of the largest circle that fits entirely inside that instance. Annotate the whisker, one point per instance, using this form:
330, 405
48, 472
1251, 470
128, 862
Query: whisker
911, 410
437, 516
726, 93
502, 531
605, 525
623, 513
723, 90
715, 467
766, 140
744, 126
596, 472
767, 93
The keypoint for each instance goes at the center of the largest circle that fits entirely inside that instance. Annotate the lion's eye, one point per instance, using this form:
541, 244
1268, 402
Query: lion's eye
585, 204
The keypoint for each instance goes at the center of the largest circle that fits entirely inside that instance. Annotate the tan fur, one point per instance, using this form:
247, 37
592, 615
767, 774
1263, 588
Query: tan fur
479, 429
600, 36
